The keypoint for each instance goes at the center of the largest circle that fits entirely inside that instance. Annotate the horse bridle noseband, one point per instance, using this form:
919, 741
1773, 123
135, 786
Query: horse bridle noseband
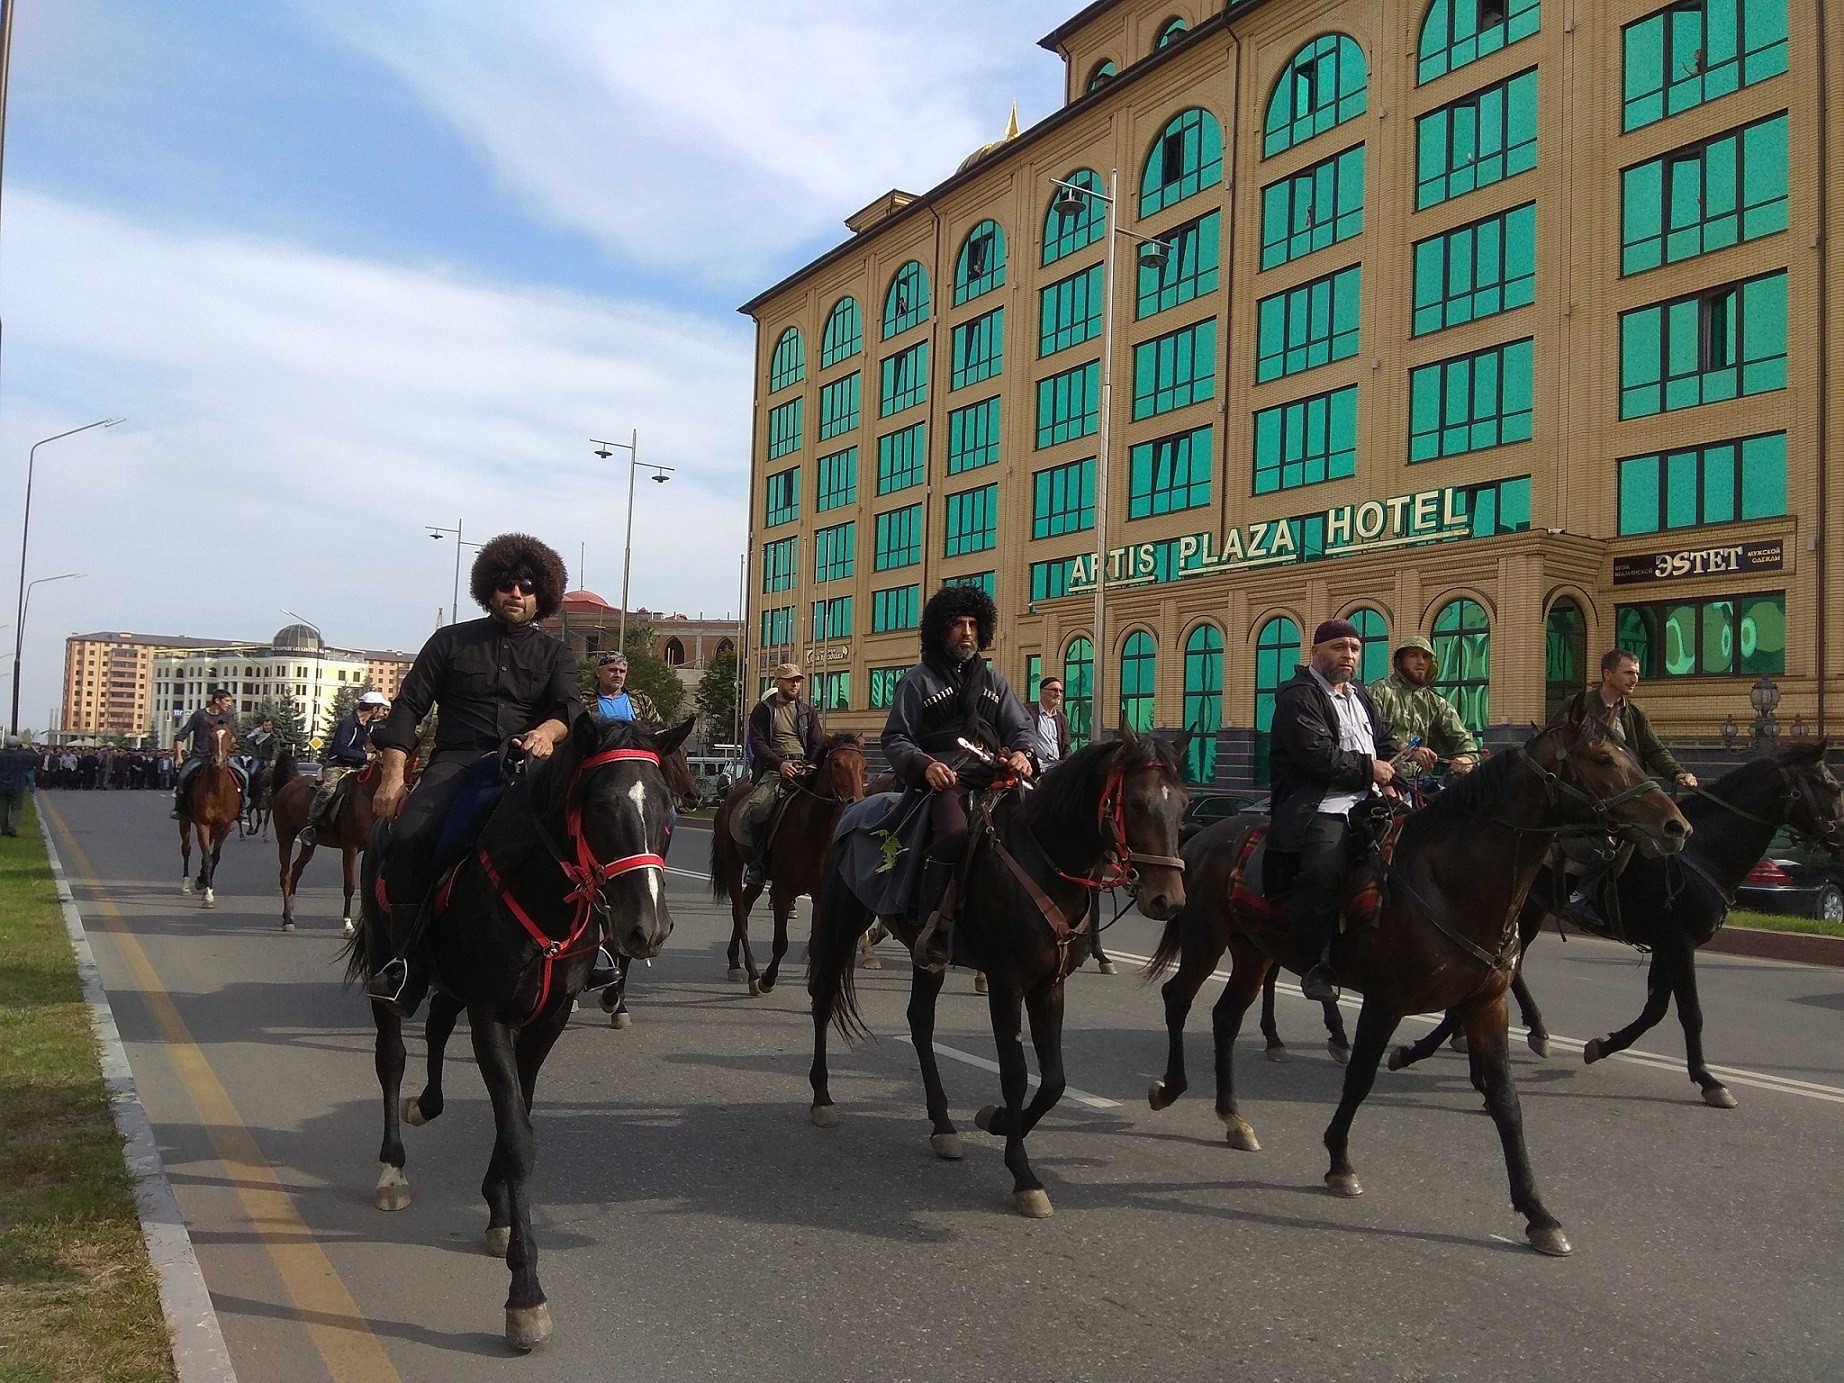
1555, 785
1795, 788
1117, 864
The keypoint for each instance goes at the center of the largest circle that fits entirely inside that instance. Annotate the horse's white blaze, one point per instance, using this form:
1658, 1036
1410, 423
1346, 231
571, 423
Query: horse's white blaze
638, 796
653, 886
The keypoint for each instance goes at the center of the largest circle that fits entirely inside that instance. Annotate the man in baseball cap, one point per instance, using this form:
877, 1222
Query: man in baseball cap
347, 754
785, 738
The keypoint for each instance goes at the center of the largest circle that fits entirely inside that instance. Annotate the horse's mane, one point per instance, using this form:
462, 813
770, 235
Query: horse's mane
549, 778
1063, 805
1474, 792
844, 739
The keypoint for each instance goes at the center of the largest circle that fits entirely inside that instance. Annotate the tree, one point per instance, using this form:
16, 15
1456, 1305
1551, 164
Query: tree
344, 700
290, 724
645, 673
717, 694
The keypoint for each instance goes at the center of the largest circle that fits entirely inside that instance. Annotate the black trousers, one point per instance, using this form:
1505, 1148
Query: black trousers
1323, 857
418, 828
947, 819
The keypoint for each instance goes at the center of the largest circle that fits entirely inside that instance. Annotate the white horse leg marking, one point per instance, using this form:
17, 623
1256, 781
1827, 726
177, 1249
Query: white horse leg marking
393, 1192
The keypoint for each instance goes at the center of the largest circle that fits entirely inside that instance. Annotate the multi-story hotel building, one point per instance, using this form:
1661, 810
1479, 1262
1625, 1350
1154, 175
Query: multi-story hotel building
1501, 321
109, 680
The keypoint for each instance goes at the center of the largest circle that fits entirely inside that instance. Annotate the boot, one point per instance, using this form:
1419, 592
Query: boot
935, 946
603, 972
401, 985
1319, 983
755, 873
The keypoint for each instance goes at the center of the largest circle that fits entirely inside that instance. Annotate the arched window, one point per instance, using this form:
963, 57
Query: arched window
1456, 32
1203, 708
673, 654
1105, 72
1080, 225
1324, 85
1565, 655
906, 304
724, 646
1170, 32
981, 266
844, 335
1078, 689
1185, 159
1139, 680
1463, 659
1277, 654
789, 364
1373, 633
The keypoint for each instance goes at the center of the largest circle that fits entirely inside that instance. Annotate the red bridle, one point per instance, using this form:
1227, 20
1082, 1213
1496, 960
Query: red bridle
1117, 869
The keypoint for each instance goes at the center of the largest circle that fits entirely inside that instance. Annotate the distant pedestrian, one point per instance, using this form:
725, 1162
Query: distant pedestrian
17, 765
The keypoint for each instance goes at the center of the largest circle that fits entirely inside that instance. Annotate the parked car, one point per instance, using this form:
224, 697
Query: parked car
1795, 877
1209, 807
716, 775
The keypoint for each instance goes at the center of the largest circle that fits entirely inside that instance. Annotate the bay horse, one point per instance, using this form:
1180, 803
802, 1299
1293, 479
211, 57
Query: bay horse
213, 805
797, 855
1674, 905
1444, 938
291, 803
570, 859
1108, 814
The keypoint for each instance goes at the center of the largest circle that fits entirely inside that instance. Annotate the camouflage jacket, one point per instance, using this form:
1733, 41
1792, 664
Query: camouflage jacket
1412, 712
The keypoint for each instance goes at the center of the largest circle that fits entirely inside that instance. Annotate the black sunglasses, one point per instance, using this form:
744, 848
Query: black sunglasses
523, 586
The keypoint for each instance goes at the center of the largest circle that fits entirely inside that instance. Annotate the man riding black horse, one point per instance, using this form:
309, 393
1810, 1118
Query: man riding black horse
951, 695
494, 679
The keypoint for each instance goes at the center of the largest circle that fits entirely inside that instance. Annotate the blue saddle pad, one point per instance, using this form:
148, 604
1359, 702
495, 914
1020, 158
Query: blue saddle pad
480, 791
878, 848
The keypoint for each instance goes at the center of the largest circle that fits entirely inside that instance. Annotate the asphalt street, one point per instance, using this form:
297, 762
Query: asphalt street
693, 1224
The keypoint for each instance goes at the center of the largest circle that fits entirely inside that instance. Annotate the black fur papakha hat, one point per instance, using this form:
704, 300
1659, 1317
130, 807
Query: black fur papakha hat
511, 556
950, 603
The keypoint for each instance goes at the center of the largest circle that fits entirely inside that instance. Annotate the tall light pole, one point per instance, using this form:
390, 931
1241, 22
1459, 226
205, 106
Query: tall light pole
320, 648
661, 474
1072, 201
25, 532
25, 603
436, 531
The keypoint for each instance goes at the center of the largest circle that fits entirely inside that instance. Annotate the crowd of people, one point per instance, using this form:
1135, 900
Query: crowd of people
103, 768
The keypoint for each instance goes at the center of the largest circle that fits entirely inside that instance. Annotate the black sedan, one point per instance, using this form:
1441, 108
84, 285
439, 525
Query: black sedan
1209, 807
1795, 877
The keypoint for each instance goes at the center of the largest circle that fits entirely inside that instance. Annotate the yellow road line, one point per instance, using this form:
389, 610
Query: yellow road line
332, 1318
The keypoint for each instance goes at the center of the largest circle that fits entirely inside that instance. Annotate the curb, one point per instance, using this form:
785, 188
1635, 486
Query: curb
1802, 947
199, 1352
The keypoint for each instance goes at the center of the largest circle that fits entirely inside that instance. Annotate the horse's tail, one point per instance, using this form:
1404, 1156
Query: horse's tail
367, 951
720, 827
839, 919
1170, 944
1209, 858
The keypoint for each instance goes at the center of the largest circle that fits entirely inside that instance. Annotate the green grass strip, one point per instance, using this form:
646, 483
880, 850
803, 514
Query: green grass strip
1784, 922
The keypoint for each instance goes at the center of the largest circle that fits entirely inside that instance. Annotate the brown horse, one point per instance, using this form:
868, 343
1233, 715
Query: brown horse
1445, 938
289, 806
797, 855
212, 807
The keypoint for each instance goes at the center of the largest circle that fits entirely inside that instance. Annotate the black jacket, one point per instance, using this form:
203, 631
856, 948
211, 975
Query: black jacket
762, 758
491, 681
1305, 760
349, 741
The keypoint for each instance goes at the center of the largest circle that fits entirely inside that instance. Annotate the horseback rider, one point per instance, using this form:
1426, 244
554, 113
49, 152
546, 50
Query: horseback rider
786, 739
952, 694
1329, 751
198, 730
1417, 716
1612, 704
347, 754
613, 699
260, 745
494, 679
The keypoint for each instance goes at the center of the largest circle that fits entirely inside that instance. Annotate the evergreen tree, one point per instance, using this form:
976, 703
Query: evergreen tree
344, 701
290, 722
717, 696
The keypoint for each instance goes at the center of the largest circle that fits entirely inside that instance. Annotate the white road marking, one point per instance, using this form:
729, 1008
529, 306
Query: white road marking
1070, 1091
1759, 1080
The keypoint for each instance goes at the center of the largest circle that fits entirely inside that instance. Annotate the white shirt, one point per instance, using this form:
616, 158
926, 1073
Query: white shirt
1043, 723
1353, 733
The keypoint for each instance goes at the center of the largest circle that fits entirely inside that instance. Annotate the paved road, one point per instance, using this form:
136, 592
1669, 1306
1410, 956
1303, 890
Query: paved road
693, 1225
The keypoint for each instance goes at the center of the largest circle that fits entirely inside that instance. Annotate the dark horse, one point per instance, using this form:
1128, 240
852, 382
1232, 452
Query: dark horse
1444, 938
1109, 813
797, 855
213, 805
569, 859
255, 818
1674, 905
291, 802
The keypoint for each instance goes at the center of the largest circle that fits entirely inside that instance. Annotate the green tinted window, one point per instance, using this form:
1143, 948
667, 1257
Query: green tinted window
1463, 660
899, 538
884, 679
1077, 223
1078, 689
1719, 483
789, 364
1496, 507
981, 266
832, 619
897, 608
1186, 159
1457, 32
1186, 269
1316, 207
973, 436
979, 349
838, 474
905, 380
1051, 579
1069, 311
902, 459
979, 580
784, 428
1203, 708
1720, 636
1697, 50
973, 520
1175, 370
1373, 634
1169, 33
833, 550
778, 627
906, 304
1277, 655
1723, 344
839, 406
1477, 141
844, 335
1068, 405
1471, 402
778, 564
1324, 86
1170, 474
1139, 680
782, 504
1063, 499
1308, 326
1705, 197
1306, 441
1477, 270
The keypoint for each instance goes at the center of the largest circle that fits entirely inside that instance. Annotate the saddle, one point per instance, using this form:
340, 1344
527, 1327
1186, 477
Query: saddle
1259, 886
341, 795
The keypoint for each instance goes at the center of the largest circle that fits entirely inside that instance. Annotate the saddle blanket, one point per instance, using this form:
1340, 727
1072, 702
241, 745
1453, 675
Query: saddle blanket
1361, 898
878, 848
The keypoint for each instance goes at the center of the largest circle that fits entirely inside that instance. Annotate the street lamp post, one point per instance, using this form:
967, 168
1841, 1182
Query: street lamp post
661, 474
25, 603
320, 648
436, 531
25, 532
1071, 201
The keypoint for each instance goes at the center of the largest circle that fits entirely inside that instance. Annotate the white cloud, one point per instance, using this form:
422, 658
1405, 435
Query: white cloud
296, 418
714, 137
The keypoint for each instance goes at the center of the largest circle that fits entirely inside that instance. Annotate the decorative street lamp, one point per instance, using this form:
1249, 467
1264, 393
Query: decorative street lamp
436, 531
661, 474
1764, 696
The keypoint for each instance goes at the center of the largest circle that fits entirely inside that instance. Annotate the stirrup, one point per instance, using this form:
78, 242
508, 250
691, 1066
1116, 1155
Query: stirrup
399, 986
602, 971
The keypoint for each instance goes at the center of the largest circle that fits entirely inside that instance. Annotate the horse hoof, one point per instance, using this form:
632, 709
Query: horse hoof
349, 929
185, 885
1159, 1096
737, 974
870, 962
1539, 1043
983, 1121
1106, 967
979, 982
1718, 1097
1240, 1135
1550, 1241
287, 926
1593, 1051
1340, 1053
1399, 1058
211, 899
413, 1112
527, 1327
1033, 1204
499, 1239
946, 1146
393, 1191
1457, 1042
755, 988
1278, 1052
823, 1116
766, 985
620, 1018
1344, 1184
